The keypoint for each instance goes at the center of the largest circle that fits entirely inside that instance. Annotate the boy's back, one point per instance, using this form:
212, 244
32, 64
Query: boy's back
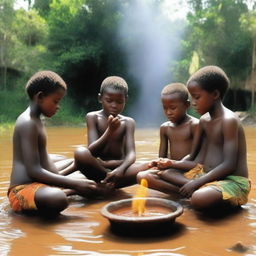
34, 174
26, 124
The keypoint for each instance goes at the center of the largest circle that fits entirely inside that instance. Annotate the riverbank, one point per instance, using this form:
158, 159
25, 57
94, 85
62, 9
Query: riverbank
247, 118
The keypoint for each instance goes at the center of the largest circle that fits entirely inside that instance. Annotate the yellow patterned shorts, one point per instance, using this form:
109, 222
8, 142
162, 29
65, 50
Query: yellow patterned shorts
22, 197
234, 189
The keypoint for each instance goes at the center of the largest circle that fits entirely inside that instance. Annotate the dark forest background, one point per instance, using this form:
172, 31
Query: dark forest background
87, 40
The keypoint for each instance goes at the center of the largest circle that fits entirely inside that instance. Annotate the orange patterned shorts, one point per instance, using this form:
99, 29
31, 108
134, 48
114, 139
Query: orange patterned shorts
22, 197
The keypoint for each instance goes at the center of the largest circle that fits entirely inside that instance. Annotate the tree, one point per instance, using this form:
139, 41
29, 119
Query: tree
6, 38
84, 44
218, 38
248, 23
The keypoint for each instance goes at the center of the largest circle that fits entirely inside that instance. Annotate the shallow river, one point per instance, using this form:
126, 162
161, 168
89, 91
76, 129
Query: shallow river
81, 230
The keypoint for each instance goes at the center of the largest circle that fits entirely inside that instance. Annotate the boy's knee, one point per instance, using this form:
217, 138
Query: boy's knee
205, 198
81, 153
142, 175
196, 200
199, 200
51, 200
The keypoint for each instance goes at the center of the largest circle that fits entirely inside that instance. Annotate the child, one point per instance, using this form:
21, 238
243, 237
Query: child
35, 183
110, 156
219, 152
176, 135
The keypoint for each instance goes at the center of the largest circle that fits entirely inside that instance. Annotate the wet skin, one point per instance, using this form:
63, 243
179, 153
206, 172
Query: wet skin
31, 162
178, 132
176, 136
219, 145
111, 143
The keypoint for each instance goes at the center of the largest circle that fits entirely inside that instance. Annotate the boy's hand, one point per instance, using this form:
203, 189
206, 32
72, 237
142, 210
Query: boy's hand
112, 177
85, 187
113, 123
188, 189
164, 163
153, 163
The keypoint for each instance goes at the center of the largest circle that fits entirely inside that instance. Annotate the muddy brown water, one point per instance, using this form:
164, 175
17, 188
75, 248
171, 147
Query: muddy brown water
81, 230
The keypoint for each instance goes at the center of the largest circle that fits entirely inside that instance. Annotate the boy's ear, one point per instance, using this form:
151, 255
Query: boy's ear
99, 98
187, 103
216, 94
39, 95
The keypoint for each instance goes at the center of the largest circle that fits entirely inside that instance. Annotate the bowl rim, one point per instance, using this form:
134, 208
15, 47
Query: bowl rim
117, 218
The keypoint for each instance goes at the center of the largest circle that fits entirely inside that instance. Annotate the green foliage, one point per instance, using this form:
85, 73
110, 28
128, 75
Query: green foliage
12, 103
78, 39
68, 114
217, 36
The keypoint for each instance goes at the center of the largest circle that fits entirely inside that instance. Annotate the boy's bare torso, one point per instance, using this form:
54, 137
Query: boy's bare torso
114, 149
180, 137
212, 153
19, 173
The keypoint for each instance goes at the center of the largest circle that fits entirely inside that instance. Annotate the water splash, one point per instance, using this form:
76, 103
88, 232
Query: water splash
151, 43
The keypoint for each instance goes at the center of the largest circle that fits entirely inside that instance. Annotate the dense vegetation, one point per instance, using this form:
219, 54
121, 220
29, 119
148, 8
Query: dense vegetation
81, 40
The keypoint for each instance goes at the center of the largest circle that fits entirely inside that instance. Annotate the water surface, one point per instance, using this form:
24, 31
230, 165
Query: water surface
81, 230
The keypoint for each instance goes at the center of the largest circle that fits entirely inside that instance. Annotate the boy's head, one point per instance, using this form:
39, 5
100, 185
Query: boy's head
46, 89
211, 78
115, 83
113, 95
207, 86
45, 82
175, 101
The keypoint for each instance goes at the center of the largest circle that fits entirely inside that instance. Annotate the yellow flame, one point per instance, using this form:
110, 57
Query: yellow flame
138, 205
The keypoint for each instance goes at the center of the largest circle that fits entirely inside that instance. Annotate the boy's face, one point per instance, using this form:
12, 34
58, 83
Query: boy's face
202, 100
174, 107
49, 104
113, 101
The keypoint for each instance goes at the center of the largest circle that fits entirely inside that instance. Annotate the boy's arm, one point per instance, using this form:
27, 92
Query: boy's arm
163, 147
130, 155
227, 167
30, 154
198, 133
96, 143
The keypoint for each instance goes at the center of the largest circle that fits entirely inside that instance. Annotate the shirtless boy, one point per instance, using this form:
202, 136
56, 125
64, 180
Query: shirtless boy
110, 156
35, 183
221, 174
176, 135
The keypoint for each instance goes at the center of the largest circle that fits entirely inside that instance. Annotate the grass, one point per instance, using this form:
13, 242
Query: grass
14, 102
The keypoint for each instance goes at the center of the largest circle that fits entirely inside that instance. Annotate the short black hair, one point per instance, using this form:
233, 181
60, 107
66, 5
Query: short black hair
45, 81
211, 78
116, 83
179, 88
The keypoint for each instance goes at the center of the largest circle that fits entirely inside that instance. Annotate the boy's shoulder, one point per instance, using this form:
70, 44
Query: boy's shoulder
167, 124
126, 119
228, 119
24, 121
190, 120
94, 113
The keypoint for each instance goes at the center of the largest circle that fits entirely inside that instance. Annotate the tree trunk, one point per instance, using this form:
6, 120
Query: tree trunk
253, 74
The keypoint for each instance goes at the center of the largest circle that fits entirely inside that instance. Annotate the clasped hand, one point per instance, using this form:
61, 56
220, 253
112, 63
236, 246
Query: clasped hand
161, 163
188, 189
113, 123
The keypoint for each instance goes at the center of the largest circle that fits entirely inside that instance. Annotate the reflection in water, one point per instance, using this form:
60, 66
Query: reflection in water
81, 230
